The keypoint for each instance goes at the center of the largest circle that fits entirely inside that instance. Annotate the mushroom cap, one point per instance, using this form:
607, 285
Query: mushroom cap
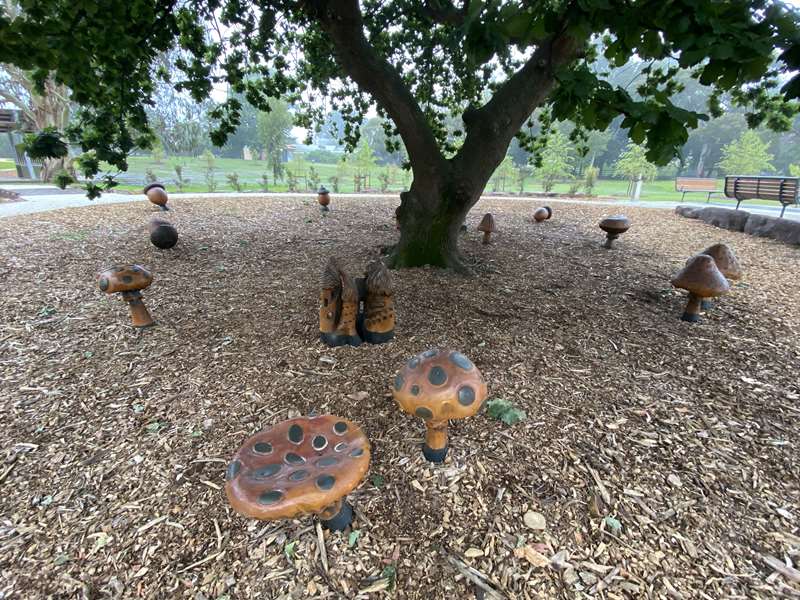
438, 385
124, 279
322, 190
725, 260
300, 466
163, 233
487, 223
150, 186
701, 277
615, 224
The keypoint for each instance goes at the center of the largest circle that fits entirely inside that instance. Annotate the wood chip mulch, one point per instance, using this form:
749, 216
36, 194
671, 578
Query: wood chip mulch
659, 459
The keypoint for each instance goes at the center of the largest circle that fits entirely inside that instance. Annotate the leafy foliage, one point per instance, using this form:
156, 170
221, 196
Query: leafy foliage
48, 143
274, 126
749, 155
556, 161
633, 163
503, 410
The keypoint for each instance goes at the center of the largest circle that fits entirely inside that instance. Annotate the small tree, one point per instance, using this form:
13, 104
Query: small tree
233, 180
590, 179
264, 182
210, 166
557, 160
633, 164
158, 151
313, 178
523, 173
794, 170
335, 183
749, 155
180, 180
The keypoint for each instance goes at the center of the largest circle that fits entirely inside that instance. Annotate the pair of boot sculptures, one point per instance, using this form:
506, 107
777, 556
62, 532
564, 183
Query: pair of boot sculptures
355, 310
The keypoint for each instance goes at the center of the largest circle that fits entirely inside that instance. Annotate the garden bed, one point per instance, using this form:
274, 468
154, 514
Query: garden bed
660, 456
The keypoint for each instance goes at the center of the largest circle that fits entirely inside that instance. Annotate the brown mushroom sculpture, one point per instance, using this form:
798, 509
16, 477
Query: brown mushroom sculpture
157, 194
163, 233
543, 213
302, 466
614, 227
487, 226
702, 279
324, 198
130, 281
438, 386
726, 262
338, 307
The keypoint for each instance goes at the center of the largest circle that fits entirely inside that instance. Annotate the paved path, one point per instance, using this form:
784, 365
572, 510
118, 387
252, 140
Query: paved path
40, 198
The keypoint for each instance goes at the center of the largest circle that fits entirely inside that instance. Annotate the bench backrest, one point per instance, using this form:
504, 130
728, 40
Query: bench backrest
695, 184
781, 189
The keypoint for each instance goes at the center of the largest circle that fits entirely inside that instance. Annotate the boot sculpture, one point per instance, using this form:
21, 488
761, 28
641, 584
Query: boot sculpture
378, 323
338, 308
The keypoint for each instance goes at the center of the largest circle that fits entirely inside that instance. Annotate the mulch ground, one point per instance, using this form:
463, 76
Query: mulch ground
658, 458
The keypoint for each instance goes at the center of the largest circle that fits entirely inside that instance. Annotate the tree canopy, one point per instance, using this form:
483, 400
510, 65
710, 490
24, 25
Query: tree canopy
748, 155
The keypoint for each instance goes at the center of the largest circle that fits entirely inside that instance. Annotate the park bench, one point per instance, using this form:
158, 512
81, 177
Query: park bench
779, 189
696, 184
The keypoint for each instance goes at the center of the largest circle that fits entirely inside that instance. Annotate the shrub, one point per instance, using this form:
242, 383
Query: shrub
233, 180
211, 182
335, 183
590, 179
384, 178
265, 182
313, 178
180, 180
574, 186
291, 180
149, 176
63, 179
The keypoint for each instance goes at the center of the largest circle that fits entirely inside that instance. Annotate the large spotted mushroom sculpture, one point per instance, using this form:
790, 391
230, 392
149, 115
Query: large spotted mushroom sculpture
130, 281
302, 466
702, 279
437, 386
614, 227
157, 194
726, 262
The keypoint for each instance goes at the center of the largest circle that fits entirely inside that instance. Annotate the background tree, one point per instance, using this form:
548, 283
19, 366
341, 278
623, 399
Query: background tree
491, 63
749, 155
633, 164
274, 134
556, 161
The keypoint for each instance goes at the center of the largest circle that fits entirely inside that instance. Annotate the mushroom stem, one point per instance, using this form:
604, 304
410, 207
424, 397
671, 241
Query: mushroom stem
139, 315
435, 448
337, 516
486, 236
610, 237
692, 311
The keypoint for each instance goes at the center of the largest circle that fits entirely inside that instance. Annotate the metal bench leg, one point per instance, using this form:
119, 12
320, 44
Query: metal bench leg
782, 210
683, 196
738, 202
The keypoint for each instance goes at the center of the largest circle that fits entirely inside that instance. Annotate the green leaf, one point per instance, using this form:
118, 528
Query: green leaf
353, 537
377, 480
290, 549
505, 411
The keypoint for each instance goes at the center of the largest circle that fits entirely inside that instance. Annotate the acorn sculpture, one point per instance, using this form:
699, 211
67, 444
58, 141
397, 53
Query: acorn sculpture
614, 227
438, 386
726, 262
130, 281
542, 214
163, 233
303, 466
157, 194
324, 198
701, 278
487, 226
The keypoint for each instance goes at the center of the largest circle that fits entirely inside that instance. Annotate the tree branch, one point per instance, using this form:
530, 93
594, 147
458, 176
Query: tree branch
342, 21
443, 12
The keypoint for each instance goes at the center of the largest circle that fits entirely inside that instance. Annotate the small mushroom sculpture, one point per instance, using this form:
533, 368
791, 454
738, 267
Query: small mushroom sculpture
437, 386
379, 315
726, 262
163, 233
487, 227
324, 198
157, 194
130, 281
702, 279
302, 466
542, 214
614, 227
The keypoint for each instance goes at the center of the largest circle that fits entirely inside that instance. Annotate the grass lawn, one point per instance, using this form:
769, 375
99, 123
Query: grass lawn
6, 164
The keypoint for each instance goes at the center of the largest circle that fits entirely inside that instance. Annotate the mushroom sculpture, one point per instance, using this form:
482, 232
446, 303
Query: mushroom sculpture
157, 194
701, 278
542, 214
379, 317
302, 466
338, 307
726, 262
130, 281
324, 198
614, 227
487, 227
437, 386
163, 233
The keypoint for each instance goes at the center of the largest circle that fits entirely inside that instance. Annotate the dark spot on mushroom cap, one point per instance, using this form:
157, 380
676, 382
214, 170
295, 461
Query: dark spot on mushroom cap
461, 361
357, 452
319, 442
437, 376
299, 475
339, 447
325, 482
294, 459
340, 428
413, 363
265, 471
127, 279
430, 353
104, 284
233, 470
415, 390
262, 447
270, 497
399, 382
466, 395
295, 434
423, 413
328, 461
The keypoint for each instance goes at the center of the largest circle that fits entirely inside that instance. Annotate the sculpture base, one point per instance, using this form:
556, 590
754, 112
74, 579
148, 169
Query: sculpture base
341, 520
145, 325
434, 456
706, 304
336, 339
690, 318
378, 338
